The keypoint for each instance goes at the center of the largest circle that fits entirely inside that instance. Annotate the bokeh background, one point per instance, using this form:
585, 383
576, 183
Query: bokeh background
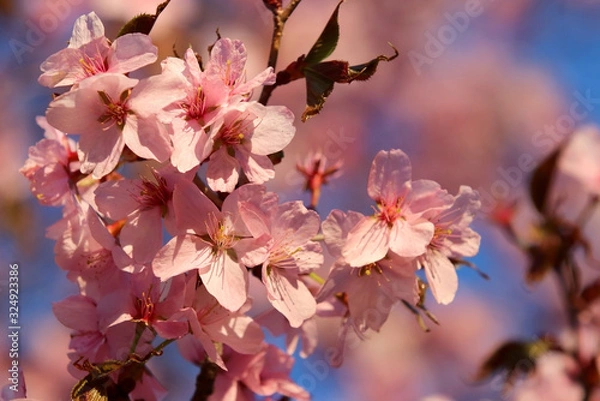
471, 100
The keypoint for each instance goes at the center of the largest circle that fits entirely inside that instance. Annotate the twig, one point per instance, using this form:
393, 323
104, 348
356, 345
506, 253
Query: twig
280, 17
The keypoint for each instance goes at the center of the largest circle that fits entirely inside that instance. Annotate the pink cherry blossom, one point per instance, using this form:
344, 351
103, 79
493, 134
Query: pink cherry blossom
90, 53
370, 290
211, 323
265, 373
144, 202
203, 101
452, 239
395, 225
286, 231
249, 132
111, 111
211, 244
50, 165
93, 336
227, 61
317, 170
151, 302
84, 248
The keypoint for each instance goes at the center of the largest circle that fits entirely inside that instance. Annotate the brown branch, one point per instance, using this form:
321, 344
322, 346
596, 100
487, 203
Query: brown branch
280, 17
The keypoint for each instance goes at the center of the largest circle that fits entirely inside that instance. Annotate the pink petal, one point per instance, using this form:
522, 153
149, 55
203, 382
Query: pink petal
141, 237
294, 217
389, 176
336, 228
192, 207
226, 388
114, 198
410, 240
441, 276
87, 28
183, 253
189, 145
240, 333
267, 77
227, 60
367, 242
309, 257
100, 155
167, 329
61, 68
222, 174
258, 169
274, 129
131, 52
147, 138
289, 296
227, 281
64, 112
426, 195
151, 95
77, 312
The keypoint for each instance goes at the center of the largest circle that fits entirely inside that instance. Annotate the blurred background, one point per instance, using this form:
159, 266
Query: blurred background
481, 90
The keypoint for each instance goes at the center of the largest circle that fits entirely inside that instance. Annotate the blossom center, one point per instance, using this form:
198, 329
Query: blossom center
234, 133
93, 65
115, 112
145, 307
153, 194
389, 212
219, 233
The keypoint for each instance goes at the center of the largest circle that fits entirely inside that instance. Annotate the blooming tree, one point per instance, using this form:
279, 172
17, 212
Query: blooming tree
168, 256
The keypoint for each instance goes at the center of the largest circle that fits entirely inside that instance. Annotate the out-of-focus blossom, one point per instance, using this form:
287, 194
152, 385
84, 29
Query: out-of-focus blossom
552, 380
317, 171
264, 373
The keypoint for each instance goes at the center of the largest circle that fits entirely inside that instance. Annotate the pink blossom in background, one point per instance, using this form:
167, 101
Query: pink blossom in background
553, 379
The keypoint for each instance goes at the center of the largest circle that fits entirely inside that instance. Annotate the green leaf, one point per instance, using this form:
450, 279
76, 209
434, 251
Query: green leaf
327, 41
143, 23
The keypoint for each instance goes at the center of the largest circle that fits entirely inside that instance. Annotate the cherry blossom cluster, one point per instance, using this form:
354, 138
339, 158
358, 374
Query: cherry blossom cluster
171, 255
